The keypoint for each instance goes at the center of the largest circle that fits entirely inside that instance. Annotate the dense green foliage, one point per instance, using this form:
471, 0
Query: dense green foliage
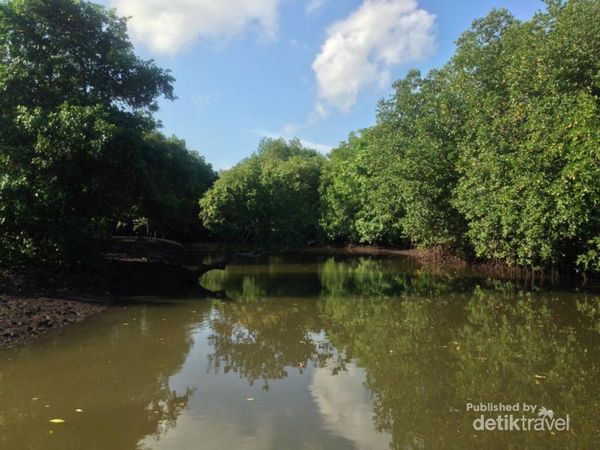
495, 154
271, 197
360, 192
530, 164
79, 150
170, 180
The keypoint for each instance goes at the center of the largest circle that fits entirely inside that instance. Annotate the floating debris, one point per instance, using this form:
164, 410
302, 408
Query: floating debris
57, 421
249, 399
79, 410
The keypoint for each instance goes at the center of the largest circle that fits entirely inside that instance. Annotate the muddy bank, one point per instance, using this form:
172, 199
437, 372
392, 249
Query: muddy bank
441, 260
430, 257
369, 250
23, 318
35, 301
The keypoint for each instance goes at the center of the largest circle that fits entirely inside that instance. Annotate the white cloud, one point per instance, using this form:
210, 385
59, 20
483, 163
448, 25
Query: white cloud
314, 5
363, 48
168, 26
288, 133
321, 148
346, 407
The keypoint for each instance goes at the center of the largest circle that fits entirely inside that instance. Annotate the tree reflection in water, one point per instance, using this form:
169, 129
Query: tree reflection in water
428, 344
265, 340
124, 387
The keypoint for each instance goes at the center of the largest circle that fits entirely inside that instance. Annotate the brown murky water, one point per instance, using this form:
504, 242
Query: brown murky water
312, 353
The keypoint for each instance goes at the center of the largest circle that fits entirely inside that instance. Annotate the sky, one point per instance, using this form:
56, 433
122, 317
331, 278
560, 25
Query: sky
311, 69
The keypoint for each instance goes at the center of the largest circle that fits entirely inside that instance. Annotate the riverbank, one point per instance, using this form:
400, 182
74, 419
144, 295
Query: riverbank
437, 260
36, 301
22, 318
440, 260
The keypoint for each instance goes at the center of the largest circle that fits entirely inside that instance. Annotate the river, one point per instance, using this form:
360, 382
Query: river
314, 352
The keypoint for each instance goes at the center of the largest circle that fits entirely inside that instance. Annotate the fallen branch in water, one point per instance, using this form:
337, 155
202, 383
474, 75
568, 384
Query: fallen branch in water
203, 268
224, 262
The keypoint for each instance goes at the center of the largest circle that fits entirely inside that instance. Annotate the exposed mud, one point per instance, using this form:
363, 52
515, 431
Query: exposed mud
35, 301
22, 318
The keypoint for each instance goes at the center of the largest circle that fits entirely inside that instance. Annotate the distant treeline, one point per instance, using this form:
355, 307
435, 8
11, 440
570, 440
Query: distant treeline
81, 156
496, 155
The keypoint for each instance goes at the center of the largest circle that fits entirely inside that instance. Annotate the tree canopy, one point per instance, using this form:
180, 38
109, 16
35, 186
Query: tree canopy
270, 197
79, 150
56, 51
495, 154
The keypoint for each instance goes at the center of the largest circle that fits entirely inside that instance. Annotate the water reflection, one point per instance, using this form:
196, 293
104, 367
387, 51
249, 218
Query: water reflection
428, 345
346, 407
117, 372
352, 353
265, 340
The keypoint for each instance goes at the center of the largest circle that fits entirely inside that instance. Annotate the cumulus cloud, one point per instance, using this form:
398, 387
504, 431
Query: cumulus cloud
168, 26
346, 408
363, 48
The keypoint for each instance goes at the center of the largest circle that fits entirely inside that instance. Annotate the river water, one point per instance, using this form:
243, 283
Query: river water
314, 352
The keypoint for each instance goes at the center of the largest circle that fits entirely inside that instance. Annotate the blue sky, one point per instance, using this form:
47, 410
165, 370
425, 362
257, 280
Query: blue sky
311, 69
